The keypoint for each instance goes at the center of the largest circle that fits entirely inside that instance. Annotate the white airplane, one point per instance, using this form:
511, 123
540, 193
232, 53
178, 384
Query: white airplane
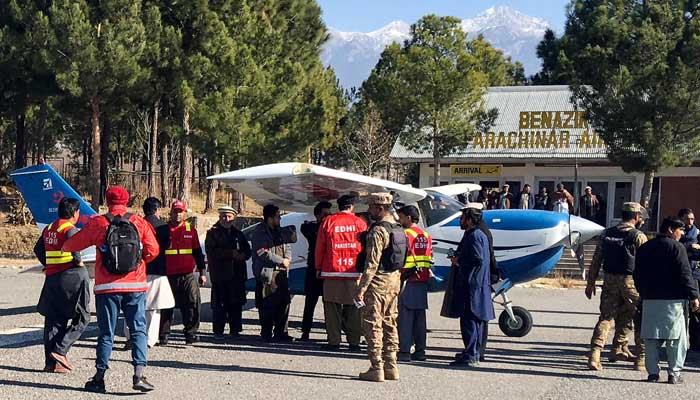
528, 243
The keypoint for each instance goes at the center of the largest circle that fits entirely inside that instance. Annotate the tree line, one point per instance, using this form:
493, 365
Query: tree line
164, 85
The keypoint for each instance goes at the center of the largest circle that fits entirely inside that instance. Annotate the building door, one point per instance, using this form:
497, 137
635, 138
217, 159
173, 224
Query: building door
623, 194
515, 186
600, 189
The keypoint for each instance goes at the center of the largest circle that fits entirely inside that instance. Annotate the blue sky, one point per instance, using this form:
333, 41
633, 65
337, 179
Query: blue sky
368, 15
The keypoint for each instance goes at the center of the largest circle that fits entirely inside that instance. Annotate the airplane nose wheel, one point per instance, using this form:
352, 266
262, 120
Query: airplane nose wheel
519, 325
514, 321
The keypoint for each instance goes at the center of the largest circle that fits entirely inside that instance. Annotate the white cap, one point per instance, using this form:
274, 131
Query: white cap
227, 210
475, 206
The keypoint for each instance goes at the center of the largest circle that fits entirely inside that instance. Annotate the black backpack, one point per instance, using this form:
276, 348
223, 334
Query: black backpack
121, 252
394, 256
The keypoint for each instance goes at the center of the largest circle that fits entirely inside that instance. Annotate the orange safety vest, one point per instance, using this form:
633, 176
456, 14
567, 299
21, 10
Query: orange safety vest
54, 237
419, 255
178, 258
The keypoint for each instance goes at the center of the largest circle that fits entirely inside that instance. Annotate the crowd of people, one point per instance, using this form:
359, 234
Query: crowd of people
371, 271
590, 205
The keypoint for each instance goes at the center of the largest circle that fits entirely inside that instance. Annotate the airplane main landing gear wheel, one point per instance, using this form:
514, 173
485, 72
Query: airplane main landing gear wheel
518, 327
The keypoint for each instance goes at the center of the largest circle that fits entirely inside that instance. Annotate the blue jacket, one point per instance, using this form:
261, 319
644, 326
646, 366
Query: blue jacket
472, 291
688, 240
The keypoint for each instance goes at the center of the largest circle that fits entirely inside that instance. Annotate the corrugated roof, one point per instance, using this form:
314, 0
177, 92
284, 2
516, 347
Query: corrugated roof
536, 123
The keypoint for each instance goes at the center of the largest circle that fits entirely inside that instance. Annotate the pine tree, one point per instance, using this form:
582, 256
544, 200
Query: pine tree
634, 68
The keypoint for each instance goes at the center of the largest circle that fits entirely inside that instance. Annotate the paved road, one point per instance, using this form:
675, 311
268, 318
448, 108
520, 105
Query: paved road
549, 363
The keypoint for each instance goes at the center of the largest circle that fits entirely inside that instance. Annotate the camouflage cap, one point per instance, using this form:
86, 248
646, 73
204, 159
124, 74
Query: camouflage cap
380, 199
474, 206
633, 206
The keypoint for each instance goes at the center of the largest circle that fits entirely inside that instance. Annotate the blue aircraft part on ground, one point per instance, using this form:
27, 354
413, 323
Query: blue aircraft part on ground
43, 188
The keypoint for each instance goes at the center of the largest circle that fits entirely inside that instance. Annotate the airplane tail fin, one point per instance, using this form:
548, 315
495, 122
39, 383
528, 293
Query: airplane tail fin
43, 188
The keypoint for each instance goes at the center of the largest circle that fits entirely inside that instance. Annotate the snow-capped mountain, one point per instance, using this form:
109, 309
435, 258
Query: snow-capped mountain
354, 54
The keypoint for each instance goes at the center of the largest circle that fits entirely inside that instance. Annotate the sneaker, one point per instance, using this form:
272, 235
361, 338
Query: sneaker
464, 363
95, 386
675, 379
141, 384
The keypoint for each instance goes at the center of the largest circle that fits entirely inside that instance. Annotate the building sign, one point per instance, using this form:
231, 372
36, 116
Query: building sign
471, 170
543, 130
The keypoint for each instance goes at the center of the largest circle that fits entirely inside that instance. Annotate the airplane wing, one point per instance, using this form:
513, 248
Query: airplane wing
455, 189
300, 186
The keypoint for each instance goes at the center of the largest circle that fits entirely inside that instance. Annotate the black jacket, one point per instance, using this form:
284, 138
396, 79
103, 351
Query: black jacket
157, 266
662, 271
312, 284
221, 244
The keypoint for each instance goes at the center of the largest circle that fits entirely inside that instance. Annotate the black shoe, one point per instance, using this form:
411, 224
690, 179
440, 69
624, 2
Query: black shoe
191, 339
675, 379
459, 356
482, 358
355, 348
163, 341
95, 386
304, 337
233, 335
330, 347
127, 345
266, 339
653, 378
283, 338
418, 356
219, 337
141, 384
403, 357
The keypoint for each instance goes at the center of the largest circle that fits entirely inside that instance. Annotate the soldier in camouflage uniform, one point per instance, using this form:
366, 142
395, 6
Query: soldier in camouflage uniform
619, 298
379, 289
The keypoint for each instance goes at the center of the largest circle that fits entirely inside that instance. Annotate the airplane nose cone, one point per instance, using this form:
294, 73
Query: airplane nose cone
585, 228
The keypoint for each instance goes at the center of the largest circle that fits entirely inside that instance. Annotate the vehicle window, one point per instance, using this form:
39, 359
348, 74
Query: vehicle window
437, 207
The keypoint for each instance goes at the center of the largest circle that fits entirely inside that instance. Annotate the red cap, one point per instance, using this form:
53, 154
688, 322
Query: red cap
117, 196
179, 205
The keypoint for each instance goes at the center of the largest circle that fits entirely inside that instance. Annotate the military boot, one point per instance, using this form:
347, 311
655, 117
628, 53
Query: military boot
620, 353
630, 356
639, 363
594, 360
391, 369
373, 375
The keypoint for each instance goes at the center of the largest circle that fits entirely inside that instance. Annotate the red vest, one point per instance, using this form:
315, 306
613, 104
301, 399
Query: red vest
54, 237
178, 257
419, 255
338, 245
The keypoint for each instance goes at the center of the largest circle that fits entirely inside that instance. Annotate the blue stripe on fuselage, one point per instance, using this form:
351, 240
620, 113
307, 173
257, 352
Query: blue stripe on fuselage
518, 220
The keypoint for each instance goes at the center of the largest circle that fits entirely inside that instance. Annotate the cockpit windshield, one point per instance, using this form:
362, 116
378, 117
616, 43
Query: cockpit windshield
436, 207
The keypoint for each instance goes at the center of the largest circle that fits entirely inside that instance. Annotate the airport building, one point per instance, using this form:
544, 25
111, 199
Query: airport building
538, 139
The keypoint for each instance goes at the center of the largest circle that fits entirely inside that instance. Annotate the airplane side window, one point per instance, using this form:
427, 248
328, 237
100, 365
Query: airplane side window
437, 207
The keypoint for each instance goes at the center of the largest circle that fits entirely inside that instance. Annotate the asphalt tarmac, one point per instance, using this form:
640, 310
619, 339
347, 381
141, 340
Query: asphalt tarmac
549, 363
